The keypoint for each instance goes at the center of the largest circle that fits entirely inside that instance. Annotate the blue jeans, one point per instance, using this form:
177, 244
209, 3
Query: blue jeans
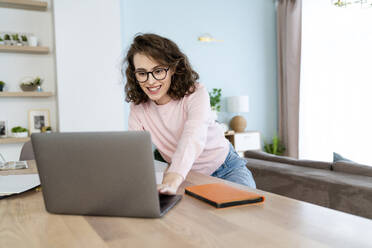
234, 169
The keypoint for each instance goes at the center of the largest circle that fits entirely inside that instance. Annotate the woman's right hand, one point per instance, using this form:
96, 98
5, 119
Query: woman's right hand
170, 184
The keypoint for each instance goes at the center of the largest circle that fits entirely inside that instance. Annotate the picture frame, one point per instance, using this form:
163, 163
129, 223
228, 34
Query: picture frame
38, 118
3, 129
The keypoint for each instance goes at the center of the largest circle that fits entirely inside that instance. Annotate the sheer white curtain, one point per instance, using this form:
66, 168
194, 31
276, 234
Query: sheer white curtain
336, 82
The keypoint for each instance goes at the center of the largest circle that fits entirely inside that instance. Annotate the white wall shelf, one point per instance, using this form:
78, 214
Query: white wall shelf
24, 4
26, 17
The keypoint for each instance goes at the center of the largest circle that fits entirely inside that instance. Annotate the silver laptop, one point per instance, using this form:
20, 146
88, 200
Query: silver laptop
100, 173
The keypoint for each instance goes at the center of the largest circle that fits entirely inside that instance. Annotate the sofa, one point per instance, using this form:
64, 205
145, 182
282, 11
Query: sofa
343, 185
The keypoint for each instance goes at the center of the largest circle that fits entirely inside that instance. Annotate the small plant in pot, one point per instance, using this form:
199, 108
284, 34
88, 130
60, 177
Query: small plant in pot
31, 85
276, 147
2, 42
47, 129
2, 84
24, 40
16, 40
215, 100
7, 39
19, 132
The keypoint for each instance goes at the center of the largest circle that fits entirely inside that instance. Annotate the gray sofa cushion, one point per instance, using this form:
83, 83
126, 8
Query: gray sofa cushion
352, 168
337, 190
289, 180
288, 160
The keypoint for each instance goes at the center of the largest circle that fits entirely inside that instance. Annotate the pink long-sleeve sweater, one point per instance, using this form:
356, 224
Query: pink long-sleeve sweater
184, 131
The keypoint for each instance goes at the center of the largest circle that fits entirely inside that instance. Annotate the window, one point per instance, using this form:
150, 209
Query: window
336, 82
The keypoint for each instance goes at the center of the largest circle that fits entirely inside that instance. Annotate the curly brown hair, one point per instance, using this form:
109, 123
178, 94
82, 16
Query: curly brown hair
165, 52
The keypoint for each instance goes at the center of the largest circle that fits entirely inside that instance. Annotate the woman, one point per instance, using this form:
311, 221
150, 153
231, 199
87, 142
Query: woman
167, 101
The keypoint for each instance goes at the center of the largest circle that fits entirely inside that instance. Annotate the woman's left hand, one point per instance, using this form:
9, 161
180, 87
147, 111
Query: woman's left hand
170, 184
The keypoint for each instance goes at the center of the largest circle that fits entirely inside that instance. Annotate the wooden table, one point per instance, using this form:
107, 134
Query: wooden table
279, 222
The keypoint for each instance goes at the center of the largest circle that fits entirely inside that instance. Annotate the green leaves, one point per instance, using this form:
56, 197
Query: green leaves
215, 99
36, 81
19, 129
15, 37
276, 147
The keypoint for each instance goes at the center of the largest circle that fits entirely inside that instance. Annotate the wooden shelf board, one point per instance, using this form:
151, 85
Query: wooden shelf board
24, 49
26, 94
24, 4
13, 140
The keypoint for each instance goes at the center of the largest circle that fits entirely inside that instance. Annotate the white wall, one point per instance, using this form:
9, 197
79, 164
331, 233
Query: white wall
243, 64
88, 55
15, 66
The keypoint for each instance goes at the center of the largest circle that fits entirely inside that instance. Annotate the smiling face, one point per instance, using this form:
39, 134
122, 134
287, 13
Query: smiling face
155, 89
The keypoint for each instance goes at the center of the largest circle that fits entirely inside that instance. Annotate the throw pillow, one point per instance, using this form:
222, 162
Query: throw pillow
337, 157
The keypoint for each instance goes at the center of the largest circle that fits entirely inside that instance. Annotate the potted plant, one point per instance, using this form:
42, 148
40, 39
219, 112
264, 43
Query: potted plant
37, 81
7, 39
15, 40
2, 85
276, 147
2, 42
19, 132
47, 129
24, 40
215, 100
31, 85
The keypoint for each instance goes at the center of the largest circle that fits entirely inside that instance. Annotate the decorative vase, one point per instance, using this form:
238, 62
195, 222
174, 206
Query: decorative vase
238, 124
32, 41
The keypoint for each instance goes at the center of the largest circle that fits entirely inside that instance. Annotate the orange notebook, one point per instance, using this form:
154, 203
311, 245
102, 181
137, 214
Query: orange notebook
223, 195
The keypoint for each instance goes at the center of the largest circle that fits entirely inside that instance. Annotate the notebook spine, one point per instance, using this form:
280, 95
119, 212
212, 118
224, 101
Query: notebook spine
225, 204
236, 203
202, 198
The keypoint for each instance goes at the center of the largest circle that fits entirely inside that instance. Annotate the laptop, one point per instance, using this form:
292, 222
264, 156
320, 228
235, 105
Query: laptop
99, 173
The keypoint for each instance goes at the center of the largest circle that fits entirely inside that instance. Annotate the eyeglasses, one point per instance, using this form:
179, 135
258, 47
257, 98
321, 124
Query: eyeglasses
158, 74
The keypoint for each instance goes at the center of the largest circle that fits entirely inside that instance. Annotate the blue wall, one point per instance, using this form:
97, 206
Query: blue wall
243, 64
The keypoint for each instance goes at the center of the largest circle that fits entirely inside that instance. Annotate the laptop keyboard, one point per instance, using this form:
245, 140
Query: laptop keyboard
167, 202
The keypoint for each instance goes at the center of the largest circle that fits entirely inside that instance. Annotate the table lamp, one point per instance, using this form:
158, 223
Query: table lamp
238, 104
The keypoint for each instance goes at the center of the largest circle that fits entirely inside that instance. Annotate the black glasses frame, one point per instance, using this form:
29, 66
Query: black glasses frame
151, 72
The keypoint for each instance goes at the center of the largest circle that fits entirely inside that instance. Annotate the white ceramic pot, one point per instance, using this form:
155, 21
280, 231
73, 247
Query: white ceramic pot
20, 135
32, 41
215, 114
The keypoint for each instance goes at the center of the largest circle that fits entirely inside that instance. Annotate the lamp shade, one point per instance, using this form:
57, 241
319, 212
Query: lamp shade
238, 104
